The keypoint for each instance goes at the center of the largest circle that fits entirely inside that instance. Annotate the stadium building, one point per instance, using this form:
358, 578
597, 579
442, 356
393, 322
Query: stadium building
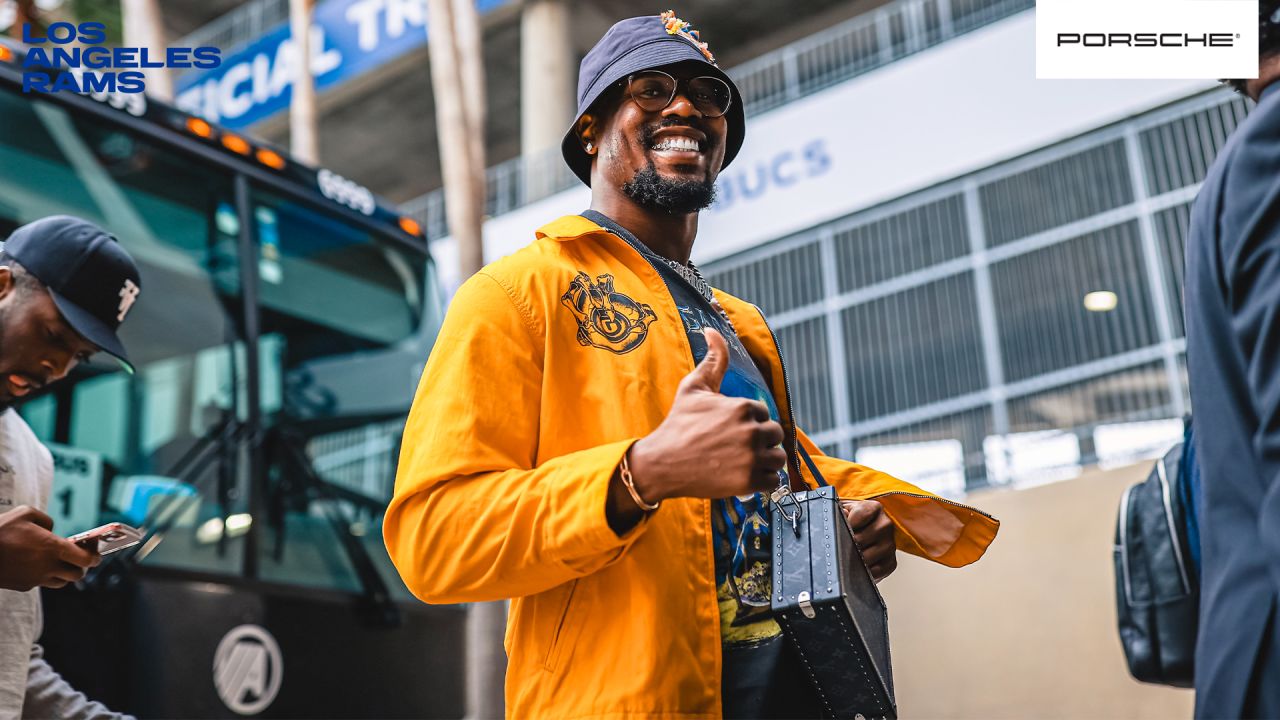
976, 275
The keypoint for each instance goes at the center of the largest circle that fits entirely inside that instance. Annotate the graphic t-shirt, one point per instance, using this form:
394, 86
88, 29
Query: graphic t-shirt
757, 667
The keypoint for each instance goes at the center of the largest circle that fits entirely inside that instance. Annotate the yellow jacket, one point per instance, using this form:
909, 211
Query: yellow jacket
551, 362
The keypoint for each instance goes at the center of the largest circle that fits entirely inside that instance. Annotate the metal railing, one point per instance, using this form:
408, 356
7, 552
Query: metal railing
954, 322
361, 460
239, 27
851, 48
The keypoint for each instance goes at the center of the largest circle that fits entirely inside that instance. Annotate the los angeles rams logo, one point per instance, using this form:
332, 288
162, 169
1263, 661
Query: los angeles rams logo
607, 319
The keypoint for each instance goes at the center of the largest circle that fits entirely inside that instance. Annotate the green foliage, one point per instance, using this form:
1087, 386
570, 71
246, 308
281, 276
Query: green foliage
106, 12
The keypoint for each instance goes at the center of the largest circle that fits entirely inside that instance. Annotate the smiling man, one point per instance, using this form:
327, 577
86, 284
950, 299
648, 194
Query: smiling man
65, 287
597, 430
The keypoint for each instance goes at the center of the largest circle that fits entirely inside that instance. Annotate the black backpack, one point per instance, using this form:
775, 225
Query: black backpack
1157, 570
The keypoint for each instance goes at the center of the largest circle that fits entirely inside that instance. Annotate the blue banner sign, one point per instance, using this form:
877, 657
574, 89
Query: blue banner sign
348, 38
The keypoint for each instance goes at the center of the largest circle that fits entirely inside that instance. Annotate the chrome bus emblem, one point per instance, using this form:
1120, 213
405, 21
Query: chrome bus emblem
247, 669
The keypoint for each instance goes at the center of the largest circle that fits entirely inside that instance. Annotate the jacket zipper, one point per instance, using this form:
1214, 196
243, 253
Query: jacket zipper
939, 498
786, 389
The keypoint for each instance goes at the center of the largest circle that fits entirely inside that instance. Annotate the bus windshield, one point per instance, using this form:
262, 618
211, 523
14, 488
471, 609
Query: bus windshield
169, 445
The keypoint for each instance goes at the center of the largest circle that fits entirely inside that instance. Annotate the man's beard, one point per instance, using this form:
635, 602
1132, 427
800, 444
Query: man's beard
652, 191
674, 197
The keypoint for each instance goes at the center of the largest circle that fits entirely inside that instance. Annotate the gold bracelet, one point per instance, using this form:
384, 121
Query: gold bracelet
630, 484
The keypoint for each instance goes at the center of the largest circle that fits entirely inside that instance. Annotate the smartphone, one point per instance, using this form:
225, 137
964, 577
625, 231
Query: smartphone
109, 538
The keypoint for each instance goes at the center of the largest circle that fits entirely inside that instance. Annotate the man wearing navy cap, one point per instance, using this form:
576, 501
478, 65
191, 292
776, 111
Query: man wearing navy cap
65, 288
597, 429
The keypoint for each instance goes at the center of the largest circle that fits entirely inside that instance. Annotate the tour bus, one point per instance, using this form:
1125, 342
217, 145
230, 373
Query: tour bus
284, 318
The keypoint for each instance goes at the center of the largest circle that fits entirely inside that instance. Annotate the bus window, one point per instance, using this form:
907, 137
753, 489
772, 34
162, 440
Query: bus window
158, 446
345, 313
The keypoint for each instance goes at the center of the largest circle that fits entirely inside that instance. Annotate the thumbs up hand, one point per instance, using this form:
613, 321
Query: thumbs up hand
709, 445
709, 373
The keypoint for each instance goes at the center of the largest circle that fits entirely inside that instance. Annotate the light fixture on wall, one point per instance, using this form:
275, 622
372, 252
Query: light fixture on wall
1100, 301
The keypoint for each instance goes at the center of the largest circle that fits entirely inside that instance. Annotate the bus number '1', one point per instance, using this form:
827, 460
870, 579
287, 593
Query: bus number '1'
341, 190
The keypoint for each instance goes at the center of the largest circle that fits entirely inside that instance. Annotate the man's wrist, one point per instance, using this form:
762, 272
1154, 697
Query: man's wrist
621, 511
628, 481
644, 475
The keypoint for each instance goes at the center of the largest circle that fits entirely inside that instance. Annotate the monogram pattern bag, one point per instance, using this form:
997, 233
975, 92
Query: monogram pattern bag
826, 601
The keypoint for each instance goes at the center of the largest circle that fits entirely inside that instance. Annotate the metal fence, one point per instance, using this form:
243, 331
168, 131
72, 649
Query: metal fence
1003, 327
362, 460
844, 51
239, 27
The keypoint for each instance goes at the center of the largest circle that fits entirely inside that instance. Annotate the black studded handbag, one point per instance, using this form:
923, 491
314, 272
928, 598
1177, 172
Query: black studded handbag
826, 601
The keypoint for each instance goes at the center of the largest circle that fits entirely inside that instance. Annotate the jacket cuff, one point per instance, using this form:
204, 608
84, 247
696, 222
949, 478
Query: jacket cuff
590, 500
928, 526
945, 532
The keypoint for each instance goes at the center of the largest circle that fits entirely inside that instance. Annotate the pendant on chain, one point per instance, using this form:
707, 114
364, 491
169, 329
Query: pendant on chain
690, 274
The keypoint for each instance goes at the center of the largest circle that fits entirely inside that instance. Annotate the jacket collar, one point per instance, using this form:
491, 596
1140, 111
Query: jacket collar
568, 227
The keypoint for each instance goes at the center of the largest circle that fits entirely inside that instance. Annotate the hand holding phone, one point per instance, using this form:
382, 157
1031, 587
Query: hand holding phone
109, 538
32, 556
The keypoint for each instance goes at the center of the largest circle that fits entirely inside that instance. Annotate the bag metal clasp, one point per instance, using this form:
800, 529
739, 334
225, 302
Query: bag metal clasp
805, 602
782, 497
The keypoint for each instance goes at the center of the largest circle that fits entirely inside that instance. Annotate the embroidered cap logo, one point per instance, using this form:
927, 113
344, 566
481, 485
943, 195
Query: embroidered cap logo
128, 296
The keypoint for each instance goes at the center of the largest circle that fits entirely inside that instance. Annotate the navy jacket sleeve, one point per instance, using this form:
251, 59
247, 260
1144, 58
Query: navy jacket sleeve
1250, 229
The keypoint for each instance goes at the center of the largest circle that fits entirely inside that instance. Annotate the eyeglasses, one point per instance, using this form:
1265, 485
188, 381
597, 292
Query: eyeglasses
653, 90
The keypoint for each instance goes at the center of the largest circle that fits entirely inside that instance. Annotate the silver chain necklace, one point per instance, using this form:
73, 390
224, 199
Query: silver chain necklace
688, 272
692, 275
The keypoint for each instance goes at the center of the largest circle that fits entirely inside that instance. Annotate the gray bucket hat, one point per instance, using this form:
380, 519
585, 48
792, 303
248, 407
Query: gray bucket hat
644, 43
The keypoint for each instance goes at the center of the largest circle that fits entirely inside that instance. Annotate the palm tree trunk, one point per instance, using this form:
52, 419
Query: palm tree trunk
143, 28
304, 133
457, 79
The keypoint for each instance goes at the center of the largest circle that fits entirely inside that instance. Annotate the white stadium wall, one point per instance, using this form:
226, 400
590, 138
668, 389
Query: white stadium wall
949, 110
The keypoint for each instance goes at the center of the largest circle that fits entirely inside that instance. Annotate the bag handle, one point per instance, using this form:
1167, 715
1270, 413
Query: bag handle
813, 467
783, 495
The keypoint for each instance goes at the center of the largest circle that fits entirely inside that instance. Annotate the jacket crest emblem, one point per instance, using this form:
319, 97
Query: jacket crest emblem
607, 319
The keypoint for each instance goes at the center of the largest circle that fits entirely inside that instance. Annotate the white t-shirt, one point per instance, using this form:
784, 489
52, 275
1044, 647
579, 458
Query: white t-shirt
26, 478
